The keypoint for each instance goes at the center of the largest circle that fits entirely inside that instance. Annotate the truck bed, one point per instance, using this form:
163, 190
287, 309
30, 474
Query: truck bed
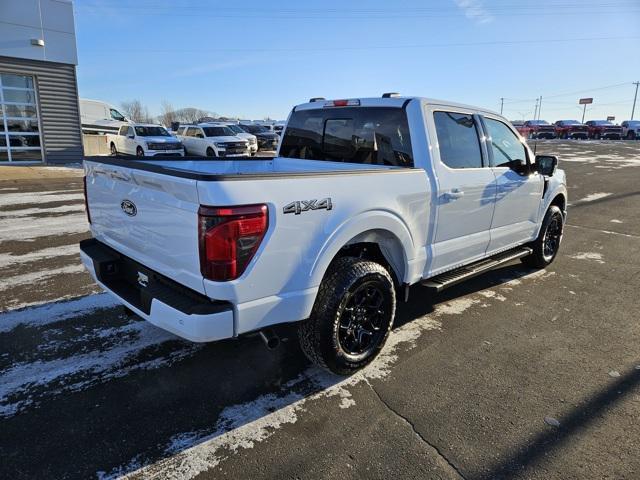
238, 168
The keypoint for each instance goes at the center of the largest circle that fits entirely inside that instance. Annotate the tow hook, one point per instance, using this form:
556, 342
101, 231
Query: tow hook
270, 338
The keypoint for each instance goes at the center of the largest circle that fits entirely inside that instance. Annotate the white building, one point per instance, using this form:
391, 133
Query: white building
39, 114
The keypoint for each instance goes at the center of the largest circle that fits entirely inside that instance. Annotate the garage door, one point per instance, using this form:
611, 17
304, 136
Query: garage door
19, 124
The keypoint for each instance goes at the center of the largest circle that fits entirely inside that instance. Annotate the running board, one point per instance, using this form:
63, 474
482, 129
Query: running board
448, 279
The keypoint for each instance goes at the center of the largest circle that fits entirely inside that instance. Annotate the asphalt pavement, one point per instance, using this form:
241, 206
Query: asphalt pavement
518, 373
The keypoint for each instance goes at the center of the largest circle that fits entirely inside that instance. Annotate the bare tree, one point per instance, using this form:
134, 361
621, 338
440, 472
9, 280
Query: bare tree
136, 111
190, 114
168, 115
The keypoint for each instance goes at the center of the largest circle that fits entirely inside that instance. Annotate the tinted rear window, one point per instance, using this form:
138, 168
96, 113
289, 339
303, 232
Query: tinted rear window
218, 132
368, 135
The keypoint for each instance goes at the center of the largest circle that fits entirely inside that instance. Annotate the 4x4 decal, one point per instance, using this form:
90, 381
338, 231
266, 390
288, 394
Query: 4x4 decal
305, 205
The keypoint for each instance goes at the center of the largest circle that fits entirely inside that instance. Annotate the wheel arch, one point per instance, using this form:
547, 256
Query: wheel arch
378, 236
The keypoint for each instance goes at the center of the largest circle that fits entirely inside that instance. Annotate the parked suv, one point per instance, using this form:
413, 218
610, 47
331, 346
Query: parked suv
212, 140
267, 140
539, 129
571, 129
239, 132
631, 129
144, 140
604, 129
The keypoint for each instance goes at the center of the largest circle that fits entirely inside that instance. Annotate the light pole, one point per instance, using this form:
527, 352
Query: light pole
501, 104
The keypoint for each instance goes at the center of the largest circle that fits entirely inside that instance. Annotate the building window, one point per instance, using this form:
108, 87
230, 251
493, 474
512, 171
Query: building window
19, 126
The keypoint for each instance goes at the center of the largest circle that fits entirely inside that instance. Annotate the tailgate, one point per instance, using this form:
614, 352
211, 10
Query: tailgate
149, 217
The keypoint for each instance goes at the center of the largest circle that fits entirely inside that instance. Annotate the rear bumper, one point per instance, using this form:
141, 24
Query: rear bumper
159, 300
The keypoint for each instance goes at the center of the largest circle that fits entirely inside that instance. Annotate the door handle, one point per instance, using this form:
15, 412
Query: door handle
454, 194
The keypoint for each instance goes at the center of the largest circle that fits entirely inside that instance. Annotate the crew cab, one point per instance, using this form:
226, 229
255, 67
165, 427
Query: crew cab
144, 140
365, 198
631, 129
571, 129
211, 140
267, 140
539, 129
598, 129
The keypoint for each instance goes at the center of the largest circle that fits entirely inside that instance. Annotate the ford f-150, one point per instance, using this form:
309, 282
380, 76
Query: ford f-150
365, 198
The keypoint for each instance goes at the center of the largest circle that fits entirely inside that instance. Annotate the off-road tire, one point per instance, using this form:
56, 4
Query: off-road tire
538, 258
114, 150
210, 152
319, 335
139, 152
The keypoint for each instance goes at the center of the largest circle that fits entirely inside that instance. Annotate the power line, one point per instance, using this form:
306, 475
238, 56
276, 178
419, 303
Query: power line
380, 47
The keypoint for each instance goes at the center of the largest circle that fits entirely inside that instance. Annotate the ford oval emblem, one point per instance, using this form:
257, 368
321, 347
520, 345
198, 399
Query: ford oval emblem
129, 207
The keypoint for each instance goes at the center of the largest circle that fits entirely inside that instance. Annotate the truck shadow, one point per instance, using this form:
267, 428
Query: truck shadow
151, 414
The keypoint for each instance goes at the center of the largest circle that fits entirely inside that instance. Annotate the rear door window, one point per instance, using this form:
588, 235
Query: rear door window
365, 135
458, 140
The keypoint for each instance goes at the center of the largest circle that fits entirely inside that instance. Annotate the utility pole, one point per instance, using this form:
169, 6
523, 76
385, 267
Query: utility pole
502, 104
635, 97
535, 110
539, 108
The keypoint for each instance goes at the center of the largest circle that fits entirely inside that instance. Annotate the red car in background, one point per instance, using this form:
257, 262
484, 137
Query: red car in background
539, 129
571, 129
598, 129
519, 126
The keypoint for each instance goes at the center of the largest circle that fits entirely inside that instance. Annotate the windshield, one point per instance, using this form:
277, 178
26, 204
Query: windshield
218, 131
602, 122
235, 129
570, 122
254, 129
537, 122
372, 135
152, 132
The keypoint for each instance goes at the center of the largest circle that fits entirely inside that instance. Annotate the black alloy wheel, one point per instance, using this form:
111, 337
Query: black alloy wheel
363, 320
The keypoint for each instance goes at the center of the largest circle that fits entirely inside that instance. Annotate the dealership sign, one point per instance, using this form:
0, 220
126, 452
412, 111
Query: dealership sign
610, 118
585, 101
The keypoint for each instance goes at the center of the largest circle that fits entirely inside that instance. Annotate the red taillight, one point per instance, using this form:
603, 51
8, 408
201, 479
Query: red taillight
86, 200
229, 238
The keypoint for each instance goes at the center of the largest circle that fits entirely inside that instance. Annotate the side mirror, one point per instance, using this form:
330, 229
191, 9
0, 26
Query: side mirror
546, 164
131, 136
199, 135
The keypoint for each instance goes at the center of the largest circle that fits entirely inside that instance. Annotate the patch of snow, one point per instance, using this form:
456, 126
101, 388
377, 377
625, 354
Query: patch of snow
615, 220
492, 294
595, 256
8, 259
594, 196
23, 384
28, 212
55, 312
40, 197
38, 276
33, 228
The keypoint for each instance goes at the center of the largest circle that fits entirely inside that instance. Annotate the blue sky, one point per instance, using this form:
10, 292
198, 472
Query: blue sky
259, 58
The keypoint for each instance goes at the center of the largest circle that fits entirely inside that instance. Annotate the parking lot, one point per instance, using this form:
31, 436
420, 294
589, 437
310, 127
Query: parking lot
515, 374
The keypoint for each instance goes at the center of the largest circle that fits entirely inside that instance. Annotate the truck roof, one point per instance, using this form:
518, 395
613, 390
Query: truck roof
395, 101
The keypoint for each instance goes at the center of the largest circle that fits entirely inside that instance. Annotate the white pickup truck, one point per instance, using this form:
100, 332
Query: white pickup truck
365, 198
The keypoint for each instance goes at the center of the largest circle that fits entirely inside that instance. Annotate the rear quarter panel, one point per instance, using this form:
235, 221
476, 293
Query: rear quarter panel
298, 248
